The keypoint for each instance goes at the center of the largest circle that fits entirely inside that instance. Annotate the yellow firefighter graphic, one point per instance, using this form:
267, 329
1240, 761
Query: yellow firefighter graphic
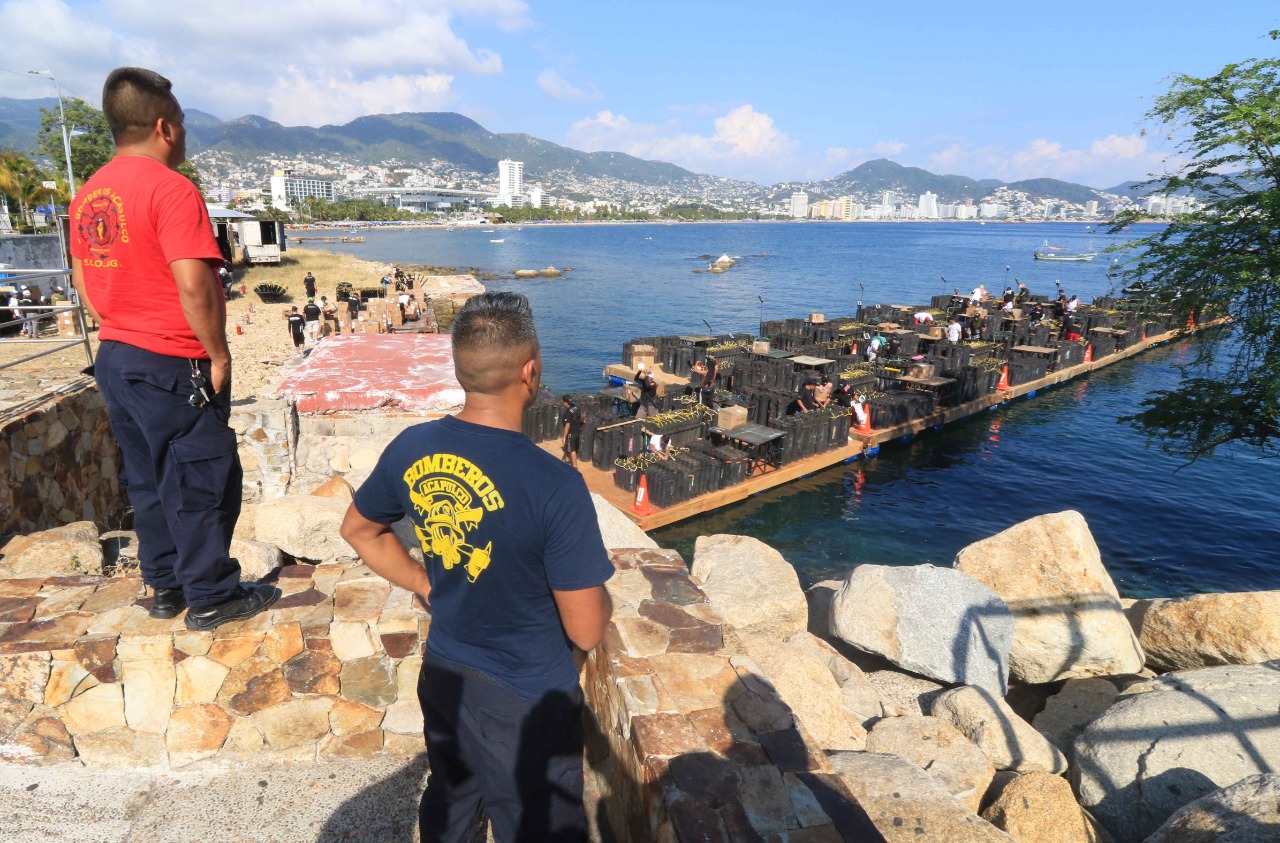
445, 516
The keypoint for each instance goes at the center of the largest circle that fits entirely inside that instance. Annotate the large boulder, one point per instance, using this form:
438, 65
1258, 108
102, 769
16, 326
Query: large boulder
1006, 739
1067, 713
1206, 630
806, 684
1066, 608
70, 549
751, 585
907, 804
937, 746
902, 694
304, 526
1168, 741
1246, 812
618, 531
933, 621
1040, 808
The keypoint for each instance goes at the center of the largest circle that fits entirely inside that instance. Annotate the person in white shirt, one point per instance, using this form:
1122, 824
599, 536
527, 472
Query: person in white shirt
660, 445
978, 294
953, 330
1073, 304
924, 317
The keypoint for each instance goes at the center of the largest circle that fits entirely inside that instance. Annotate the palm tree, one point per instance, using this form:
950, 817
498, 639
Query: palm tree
22, 179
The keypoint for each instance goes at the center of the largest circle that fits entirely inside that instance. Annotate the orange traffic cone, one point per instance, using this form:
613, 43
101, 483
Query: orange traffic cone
1144, 336
1191, 319
1004, 378
1088, 353
641, 506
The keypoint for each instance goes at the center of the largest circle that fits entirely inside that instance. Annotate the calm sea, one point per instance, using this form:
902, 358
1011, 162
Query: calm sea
1211, 526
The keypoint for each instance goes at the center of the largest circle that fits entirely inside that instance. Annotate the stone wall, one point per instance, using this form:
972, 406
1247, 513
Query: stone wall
31, 251
329, 672
284, 452
692, 742
58, 461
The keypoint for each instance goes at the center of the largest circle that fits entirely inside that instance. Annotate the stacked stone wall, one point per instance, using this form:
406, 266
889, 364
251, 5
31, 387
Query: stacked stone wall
59, 462
692, 742
329, 672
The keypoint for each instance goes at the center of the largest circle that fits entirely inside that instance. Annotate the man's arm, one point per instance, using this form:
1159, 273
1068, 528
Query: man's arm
380, 549
202, 305
77, 280
583, 613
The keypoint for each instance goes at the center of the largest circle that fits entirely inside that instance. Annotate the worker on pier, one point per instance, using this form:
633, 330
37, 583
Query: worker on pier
1024, 294
953, 330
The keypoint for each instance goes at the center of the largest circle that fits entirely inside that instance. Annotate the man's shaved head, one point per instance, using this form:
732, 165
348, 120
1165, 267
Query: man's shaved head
133, 99
493, 337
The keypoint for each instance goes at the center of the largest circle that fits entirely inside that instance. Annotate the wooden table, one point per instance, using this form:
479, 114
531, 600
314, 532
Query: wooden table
762, 444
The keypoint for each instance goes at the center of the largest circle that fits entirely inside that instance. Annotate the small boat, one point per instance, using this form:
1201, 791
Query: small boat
487, 231
499, 240
1058, 253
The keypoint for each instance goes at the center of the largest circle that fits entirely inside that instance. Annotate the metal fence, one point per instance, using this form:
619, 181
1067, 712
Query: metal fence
33, 315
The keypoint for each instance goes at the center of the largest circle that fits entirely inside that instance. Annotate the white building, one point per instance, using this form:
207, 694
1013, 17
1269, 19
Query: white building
538, 199
989, 210
799, 205
510, 182
1091, 208
287, 188
927, 207
966, 212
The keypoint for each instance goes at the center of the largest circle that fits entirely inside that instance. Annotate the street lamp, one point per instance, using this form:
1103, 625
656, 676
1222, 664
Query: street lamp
66, 140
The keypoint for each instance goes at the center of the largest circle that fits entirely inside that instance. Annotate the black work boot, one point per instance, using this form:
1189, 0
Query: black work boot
248, 601
167, 603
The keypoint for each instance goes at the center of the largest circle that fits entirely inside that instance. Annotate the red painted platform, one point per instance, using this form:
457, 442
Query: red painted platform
367, 371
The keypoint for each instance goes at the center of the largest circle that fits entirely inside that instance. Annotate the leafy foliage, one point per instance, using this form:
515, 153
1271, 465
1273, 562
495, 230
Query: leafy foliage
23, 180
1221, 260
89, 151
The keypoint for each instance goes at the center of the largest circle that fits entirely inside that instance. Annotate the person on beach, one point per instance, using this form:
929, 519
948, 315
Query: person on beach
311, 313
514, 577
297, 326
143, 263
328, 314
309, 283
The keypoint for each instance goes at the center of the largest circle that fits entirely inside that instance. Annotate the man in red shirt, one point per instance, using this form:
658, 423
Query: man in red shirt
143, 261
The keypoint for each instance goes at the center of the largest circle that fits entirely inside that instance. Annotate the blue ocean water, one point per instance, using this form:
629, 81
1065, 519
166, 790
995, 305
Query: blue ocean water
1210, 526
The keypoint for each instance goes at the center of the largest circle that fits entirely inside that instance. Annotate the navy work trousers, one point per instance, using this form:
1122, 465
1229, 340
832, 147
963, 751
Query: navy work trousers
494, 753
180, 469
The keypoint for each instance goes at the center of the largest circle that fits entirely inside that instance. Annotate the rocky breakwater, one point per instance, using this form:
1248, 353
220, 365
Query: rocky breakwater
1012, 696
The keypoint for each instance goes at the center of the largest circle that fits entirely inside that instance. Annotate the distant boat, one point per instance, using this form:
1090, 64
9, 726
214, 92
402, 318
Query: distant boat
488, 231
1058, 253
499, 240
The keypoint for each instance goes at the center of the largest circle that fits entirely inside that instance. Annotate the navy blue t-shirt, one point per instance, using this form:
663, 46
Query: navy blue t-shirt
501, 524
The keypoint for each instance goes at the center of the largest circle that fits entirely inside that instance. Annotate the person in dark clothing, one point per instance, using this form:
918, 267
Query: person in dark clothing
514, 576
708, 390
1024, 294
843, 396
311, 313
648, 397
572, 438
297, 325
310, 283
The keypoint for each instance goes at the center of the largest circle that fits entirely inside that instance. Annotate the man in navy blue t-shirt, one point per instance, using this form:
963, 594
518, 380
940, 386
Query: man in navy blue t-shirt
515, 573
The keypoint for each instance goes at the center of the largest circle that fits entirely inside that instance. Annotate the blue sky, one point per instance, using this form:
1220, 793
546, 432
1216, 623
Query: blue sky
748, 90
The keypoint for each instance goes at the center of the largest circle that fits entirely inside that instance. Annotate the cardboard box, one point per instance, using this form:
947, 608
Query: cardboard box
730, 417
641, 354
760, 347
937, 332
922, 370
817, 318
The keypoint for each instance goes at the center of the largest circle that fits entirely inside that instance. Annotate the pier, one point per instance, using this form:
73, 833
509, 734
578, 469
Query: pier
760, 477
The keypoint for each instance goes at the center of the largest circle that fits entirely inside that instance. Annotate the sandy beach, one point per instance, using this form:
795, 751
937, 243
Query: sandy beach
261, 348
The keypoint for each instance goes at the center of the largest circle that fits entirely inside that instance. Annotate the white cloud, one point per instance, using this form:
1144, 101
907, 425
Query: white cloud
323, 63
1104, 162
558, 88
745, 144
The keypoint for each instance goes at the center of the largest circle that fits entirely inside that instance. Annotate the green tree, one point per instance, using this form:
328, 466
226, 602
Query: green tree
1220, 260
22, 180
89, 151
187, 169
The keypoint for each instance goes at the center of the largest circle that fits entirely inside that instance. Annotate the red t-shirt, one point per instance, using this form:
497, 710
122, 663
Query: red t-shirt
128, 223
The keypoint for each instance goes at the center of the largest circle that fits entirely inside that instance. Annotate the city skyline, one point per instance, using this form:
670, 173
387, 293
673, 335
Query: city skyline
742, 91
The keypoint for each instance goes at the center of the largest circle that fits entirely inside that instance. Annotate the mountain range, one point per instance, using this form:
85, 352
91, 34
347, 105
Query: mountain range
453, 139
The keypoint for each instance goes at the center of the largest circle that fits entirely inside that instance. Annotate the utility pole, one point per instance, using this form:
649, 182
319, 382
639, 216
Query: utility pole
62, 115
